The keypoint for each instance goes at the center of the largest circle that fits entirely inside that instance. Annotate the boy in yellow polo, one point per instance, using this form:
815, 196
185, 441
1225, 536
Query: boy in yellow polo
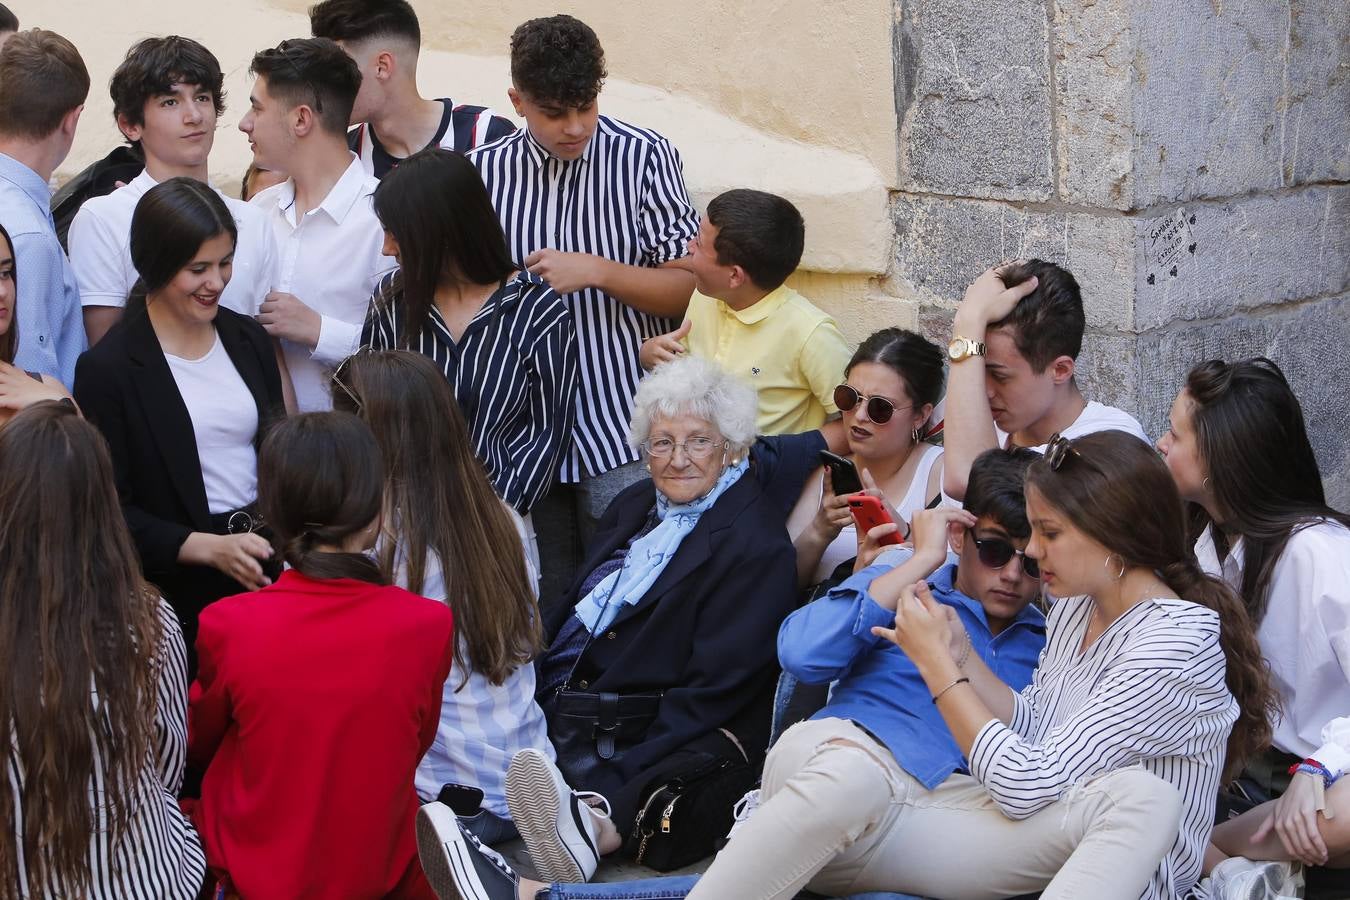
745, 318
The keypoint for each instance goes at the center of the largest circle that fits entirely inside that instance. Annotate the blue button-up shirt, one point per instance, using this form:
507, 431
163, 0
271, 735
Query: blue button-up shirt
877, 685
50, 322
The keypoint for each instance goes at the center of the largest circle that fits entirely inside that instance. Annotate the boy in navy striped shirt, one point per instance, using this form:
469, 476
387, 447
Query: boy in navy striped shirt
391, 119
597, 208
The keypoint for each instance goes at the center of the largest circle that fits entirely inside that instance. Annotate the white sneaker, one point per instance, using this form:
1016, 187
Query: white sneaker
1238, 878
561, 830
744, 807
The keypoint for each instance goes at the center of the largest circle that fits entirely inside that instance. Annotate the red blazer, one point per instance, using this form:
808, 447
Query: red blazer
314, 702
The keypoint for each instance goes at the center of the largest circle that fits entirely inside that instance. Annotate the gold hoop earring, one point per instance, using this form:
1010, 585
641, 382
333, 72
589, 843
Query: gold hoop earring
1204, 483
916, 435
1106, 564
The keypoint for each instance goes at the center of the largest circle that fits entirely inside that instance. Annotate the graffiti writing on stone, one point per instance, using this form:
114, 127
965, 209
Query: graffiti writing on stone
1168, 243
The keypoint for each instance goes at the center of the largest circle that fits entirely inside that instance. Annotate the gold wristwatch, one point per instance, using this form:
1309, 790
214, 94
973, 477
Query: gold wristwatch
963, 348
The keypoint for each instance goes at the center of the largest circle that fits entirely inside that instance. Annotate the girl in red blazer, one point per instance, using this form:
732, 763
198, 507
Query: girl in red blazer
316, 696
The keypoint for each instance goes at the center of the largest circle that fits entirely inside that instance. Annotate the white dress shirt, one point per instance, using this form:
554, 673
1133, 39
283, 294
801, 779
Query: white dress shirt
332, 260
1305, 634
100, 250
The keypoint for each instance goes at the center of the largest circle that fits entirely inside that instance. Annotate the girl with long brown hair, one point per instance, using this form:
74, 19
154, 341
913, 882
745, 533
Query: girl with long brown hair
449, 537
95, 688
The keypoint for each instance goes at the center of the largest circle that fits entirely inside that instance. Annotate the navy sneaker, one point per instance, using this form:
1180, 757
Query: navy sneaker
458, 865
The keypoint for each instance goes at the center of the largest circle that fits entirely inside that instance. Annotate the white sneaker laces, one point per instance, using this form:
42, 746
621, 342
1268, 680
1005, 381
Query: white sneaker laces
744, 807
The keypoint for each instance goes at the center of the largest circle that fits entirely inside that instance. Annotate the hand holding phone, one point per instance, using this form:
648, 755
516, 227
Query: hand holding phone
869, 512
843, 474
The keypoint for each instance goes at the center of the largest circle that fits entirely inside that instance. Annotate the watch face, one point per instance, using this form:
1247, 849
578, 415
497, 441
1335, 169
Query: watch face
956, 349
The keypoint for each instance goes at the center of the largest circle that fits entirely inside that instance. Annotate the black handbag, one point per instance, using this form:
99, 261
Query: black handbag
592, 730
685, 815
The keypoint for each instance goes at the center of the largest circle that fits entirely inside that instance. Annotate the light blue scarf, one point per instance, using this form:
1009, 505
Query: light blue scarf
650, 554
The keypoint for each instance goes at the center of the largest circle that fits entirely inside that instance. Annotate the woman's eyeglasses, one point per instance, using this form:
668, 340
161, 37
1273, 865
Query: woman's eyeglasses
694, 448
879, 409
996, 552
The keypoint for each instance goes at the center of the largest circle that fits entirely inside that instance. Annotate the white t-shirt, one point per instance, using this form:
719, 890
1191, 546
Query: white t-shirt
1094, 417
1305, 635
224, 420
100, 250
332, 260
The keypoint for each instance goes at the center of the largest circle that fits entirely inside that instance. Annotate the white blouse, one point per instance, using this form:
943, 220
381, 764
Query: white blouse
1305, 634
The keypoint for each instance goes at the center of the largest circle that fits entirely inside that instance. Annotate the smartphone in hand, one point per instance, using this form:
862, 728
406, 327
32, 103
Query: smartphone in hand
868, 513
843, 474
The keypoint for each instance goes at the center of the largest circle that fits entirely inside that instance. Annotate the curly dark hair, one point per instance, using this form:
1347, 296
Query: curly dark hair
557, 60
153, 66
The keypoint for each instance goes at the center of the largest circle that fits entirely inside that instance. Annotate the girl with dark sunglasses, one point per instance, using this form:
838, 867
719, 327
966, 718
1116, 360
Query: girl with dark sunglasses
887, 397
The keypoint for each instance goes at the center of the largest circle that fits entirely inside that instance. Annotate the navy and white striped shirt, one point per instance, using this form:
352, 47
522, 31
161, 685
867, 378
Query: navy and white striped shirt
1150, 692
462, 128
514, 373
624, 199
159, 856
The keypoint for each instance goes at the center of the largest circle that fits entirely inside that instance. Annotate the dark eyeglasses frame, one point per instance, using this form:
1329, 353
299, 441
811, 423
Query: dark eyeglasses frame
990, 549
879, 409
284, 51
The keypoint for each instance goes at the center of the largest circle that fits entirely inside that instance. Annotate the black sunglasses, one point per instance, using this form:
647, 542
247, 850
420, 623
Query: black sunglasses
879, 409
995, 553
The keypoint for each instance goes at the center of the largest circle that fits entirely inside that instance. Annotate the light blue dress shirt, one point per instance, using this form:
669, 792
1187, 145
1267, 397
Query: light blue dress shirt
50, 321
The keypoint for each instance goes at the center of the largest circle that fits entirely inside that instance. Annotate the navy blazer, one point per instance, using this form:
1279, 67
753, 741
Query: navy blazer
705, 633
125, 387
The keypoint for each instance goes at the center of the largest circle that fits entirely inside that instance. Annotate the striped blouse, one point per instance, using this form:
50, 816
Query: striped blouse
625, 200
1149, 692
160, 856
514, 373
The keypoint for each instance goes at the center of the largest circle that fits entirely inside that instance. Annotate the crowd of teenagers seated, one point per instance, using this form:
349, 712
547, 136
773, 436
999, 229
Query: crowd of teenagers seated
464, 485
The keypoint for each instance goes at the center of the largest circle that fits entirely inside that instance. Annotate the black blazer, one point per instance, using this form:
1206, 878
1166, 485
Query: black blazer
706, 633
125, 387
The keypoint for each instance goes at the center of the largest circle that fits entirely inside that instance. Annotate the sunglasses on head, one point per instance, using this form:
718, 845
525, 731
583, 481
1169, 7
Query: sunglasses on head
879, 409
996, 552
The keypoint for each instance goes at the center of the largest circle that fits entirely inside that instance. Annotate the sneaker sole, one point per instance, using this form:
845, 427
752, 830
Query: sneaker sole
445, 857
532, 796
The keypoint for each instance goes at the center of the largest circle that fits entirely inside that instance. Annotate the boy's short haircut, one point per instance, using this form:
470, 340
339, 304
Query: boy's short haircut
996, 488
153, 66
8, 21
315, 72
1047, 323
760, 232
42, 79
557, 60
358, 20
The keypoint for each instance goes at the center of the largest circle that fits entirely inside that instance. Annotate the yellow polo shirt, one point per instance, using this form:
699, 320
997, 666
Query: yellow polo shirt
791, 352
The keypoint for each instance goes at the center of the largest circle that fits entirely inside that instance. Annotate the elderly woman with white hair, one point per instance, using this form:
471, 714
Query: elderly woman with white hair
661, 658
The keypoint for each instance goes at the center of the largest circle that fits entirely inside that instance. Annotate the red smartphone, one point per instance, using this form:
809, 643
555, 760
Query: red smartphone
868, 513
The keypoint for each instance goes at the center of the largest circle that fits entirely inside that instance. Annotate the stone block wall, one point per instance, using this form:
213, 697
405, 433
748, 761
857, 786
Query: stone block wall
1188, 160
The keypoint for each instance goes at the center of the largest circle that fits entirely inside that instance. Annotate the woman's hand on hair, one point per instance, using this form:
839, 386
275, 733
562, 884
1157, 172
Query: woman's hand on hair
1294, 818
922, 628
833, 513
987, 300
19, 390
236, 555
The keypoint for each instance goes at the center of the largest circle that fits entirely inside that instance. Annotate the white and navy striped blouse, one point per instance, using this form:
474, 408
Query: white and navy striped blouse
160, 856
513, 371
625, 200
1150, 692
